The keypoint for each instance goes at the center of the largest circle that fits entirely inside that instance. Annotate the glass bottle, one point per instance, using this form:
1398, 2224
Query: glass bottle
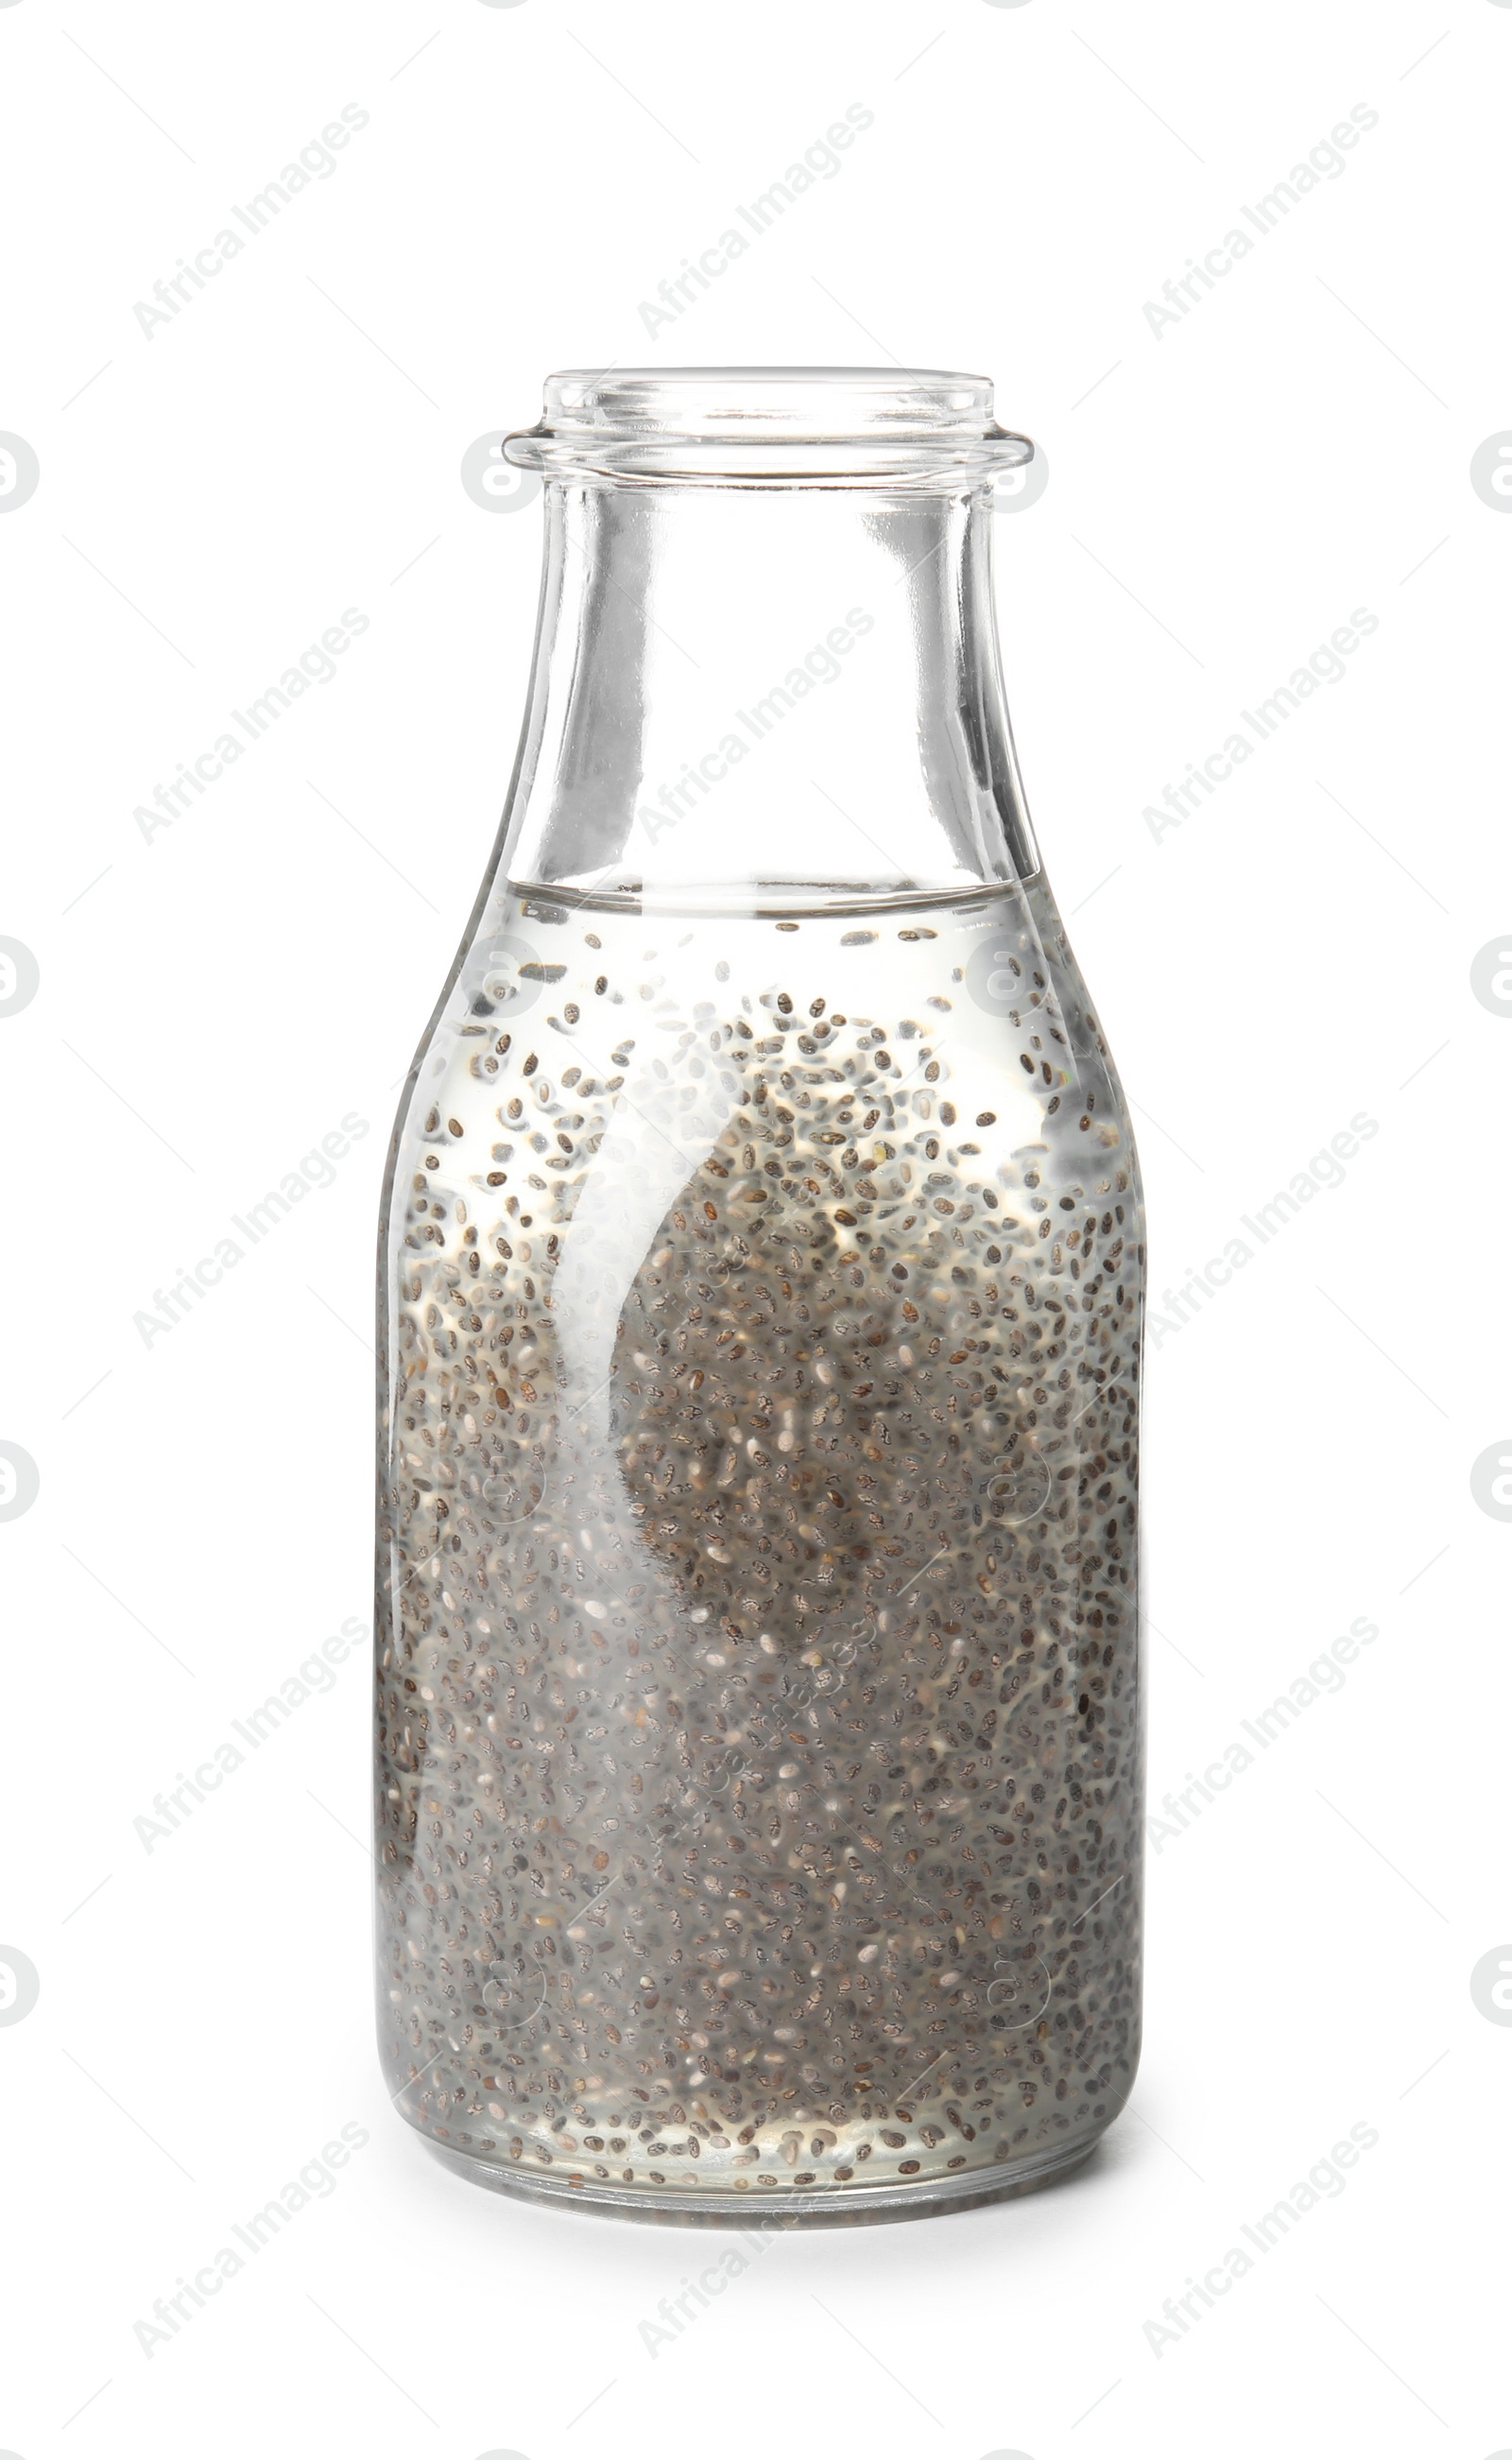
761, 1263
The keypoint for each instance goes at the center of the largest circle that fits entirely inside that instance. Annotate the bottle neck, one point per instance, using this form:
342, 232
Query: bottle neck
770, 696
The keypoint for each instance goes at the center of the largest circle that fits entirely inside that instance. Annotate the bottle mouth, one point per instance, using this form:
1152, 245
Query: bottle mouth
915, 428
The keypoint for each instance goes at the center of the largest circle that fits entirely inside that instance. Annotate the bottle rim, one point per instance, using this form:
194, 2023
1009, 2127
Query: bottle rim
916, 427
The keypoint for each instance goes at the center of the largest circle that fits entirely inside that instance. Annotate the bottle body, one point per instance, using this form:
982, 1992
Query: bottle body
758, 1712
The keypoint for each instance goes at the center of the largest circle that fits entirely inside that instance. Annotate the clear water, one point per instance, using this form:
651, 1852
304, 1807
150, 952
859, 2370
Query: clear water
760, 1725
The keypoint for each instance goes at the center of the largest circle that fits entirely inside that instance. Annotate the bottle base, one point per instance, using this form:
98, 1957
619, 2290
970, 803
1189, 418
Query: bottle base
777, 2207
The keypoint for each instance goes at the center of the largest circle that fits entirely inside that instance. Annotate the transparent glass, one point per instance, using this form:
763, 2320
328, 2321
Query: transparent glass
760, 1750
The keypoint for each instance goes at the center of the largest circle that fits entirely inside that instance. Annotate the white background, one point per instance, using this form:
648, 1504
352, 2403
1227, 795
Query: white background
214, 1000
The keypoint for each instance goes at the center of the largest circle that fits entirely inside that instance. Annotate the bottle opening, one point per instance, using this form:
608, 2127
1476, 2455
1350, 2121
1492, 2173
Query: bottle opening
918, 428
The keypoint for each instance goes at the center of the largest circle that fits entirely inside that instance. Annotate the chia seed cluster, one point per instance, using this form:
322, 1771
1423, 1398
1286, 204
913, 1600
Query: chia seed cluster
759, 1750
